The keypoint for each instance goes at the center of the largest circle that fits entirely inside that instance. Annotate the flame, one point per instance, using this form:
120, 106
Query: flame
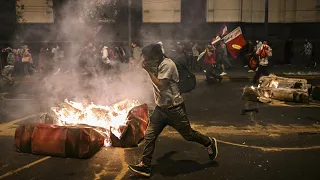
274, 83
109, 118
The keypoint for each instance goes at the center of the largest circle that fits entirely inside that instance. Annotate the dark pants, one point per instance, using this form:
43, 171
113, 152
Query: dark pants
175, 117
26, 68
309, 60
194, 63
262, 70
225, 61
287, 57
212, 73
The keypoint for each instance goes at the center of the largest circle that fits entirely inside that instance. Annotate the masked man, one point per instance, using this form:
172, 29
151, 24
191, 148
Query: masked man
170, 109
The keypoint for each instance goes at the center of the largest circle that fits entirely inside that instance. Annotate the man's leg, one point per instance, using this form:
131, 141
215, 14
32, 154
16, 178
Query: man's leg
178, 119
257, 75
265, 71
26, 68
158, 121
226, 61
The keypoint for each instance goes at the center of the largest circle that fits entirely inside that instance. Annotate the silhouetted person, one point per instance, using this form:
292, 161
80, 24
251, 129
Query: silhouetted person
288, 51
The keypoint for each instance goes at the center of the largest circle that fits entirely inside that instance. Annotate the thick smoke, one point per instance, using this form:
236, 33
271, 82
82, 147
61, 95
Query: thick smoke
127, 81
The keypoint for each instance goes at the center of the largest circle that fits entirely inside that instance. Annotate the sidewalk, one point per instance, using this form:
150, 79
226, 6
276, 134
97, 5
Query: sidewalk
242, 74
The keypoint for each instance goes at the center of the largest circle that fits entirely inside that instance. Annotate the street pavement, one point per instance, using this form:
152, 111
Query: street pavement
281, 141
236, 74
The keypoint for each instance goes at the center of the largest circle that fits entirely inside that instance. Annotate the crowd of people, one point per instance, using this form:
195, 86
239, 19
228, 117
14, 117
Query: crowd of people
95, 59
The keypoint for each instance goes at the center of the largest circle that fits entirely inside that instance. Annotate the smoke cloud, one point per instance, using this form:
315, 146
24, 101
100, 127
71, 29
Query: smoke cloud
126, 81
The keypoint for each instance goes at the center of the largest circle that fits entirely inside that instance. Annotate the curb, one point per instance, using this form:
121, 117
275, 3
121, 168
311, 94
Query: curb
201, 78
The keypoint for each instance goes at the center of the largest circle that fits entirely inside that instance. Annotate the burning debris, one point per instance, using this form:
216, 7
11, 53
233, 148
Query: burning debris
81, 129
278, 88
63, 141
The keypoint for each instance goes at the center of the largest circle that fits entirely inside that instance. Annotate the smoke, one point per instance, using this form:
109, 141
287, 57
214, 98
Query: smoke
69, 80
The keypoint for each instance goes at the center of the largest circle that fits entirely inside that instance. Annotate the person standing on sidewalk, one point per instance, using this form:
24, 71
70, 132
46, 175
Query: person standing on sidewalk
264, 52
308, 54
170, 110
288, 51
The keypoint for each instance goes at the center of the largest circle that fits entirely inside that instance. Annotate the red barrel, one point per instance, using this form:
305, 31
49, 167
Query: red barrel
62, 141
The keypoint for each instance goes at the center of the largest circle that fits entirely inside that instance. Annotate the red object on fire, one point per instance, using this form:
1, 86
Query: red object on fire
63, 141
133, 134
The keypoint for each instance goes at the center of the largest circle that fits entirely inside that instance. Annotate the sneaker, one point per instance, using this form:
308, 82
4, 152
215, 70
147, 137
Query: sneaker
213, 149
250, 71
315, 64
140, 169
245, 66
223, 74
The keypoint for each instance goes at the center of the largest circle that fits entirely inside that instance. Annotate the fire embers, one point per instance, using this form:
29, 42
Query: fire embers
278, 88
79, 130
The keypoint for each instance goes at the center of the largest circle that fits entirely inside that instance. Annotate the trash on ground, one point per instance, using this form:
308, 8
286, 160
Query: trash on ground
278, 88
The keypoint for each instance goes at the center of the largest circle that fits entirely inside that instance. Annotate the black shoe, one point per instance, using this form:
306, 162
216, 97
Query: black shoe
220, 79
140, 169
213, 149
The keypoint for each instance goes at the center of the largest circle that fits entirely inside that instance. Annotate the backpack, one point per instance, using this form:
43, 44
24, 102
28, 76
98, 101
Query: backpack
187, 80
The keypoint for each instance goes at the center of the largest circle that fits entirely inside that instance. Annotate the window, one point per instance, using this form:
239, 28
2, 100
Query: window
35, 11
161, 11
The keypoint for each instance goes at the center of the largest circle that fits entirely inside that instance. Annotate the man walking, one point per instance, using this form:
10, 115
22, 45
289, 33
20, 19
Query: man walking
264, 52
170, 110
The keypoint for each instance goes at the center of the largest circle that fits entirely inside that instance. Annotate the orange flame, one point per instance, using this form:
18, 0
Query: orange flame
274, 83
110, 118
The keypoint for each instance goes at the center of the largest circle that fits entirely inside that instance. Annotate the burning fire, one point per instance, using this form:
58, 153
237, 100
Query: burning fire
109, 118
274, 83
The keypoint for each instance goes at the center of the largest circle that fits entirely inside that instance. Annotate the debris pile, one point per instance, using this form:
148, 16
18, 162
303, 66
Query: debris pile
278, 88
80, 130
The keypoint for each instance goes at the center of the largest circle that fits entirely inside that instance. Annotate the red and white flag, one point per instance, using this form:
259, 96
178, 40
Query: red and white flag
235, 39
224, 30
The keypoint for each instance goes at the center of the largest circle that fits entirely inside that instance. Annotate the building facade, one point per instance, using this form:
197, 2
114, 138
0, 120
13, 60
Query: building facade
180, 19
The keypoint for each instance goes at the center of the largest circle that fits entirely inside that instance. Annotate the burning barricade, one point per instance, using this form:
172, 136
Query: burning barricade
278, 88
80, 130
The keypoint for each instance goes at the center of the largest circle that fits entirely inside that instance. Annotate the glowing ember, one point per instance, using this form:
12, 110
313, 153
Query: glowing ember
274, 83
109, 118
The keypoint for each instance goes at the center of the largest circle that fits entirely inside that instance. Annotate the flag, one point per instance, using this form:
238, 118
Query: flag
224, 30
235, 38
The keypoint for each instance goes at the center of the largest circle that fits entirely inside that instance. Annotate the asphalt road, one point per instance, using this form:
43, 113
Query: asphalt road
279, 142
